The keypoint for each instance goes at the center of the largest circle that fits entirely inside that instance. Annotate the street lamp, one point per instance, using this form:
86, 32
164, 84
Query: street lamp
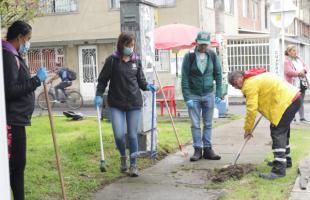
282, 14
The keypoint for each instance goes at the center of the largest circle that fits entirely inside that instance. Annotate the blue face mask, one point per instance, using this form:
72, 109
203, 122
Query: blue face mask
24, 48
127, 51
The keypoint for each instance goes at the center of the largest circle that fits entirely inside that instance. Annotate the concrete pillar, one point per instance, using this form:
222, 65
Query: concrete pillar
137, 17
4, 164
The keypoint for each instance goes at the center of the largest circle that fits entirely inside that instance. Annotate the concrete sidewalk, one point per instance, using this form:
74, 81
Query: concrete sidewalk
175, 178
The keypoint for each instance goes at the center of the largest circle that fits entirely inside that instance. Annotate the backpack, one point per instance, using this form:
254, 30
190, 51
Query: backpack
71, 75
211, 53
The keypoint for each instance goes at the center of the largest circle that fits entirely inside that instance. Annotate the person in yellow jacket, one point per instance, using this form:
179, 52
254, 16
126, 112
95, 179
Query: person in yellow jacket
277, 101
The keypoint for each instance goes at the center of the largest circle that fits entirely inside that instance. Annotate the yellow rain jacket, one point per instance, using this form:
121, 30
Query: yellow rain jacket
267, 94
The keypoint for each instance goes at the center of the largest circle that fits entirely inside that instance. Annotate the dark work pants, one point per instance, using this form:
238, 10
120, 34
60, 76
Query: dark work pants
61, 86
280, 138
17, 154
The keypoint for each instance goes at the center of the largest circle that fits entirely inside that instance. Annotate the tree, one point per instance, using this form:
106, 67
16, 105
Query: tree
12, 10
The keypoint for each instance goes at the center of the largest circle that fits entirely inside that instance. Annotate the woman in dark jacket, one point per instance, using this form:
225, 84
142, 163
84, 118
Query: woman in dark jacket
19, 99
124, 71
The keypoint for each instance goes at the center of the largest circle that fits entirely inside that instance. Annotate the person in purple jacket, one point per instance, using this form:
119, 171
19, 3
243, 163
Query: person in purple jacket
19, 99
124, 71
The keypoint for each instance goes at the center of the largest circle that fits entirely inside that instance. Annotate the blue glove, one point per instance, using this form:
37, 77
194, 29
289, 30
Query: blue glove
218, 99
42, 74
98, 101
190, 104
152, 87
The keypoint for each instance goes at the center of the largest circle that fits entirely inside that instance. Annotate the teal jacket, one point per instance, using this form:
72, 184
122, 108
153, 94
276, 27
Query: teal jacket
197, 83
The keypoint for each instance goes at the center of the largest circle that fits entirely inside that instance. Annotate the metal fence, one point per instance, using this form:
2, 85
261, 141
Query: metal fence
248, 53
46, 57
58, 6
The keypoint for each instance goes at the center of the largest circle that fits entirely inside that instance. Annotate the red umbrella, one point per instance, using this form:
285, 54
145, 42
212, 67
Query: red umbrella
175, 36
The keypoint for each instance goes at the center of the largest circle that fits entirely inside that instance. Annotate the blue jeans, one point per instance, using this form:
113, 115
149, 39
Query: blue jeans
132, 118
204, 105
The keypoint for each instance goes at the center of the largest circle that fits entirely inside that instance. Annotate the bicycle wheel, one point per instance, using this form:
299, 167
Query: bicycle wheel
74, 100
42, 101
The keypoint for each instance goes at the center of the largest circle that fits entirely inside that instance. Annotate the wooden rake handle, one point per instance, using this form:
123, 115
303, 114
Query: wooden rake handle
246, 140
54, 140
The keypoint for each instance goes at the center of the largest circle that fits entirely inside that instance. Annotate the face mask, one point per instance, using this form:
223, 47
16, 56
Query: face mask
127, 51
24, 48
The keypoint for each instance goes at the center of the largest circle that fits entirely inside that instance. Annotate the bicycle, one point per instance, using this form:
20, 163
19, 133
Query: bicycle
73, 100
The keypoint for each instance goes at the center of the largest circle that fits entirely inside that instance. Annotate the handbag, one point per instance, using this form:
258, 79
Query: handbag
303, 84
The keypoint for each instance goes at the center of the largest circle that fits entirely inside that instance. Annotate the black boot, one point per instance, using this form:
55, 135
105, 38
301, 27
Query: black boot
278, 171
270, 175
197, 155
288, 162
209, 154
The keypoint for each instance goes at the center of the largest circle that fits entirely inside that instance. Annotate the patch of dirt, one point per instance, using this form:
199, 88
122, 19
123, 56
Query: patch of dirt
230, 172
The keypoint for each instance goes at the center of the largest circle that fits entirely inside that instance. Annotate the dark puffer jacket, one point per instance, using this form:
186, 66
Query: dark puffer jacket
19, 89
126, 80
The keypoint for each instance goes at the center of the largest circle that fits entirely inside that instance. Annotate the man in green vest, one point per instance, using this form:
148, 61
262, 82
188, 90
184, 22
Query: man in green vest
199, 69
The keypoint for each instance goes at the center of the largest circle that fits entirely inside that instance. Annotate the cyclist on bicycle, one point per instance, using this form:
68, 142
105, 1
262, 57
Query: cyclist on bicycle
66, 79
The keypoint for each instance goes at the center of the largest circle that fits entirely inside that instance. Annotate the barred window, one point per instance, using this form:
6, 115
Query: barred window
58, 6
245, 54
46, 57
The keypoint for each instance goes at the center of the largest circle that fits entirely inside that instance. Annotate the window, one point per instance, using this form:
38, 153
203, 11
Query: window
210, 4
114, 4
58, 6
44, 57
248, 53
229, 6
245, 8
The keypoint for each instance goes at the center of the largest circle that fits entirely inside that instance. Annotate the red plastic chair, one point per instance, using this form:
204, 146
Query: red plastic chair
169, 93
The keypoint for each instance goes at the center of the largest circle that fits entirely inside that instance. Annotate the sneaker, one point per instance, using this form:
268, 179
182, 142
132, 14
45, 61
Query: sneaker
123, 165
270, 176
133, 171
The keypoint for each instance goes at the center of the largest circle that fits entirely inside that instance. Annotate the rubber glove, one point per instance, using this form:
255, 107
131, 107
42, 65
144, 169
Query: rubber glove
190, 104
152, 87
217, 100
42, 74
98, 101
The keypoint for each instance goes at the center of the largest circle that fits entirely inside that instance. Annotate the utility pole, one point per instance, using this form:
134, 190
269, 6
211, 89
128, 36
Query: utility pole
222, 39
137, 18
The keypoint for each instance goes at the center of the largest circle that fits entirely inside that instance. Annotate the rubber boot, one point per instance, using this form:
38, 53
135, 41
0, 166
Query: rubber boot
123, 166
197, 155
209, 154
288, 162
270, 176
133, 171
278, 171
